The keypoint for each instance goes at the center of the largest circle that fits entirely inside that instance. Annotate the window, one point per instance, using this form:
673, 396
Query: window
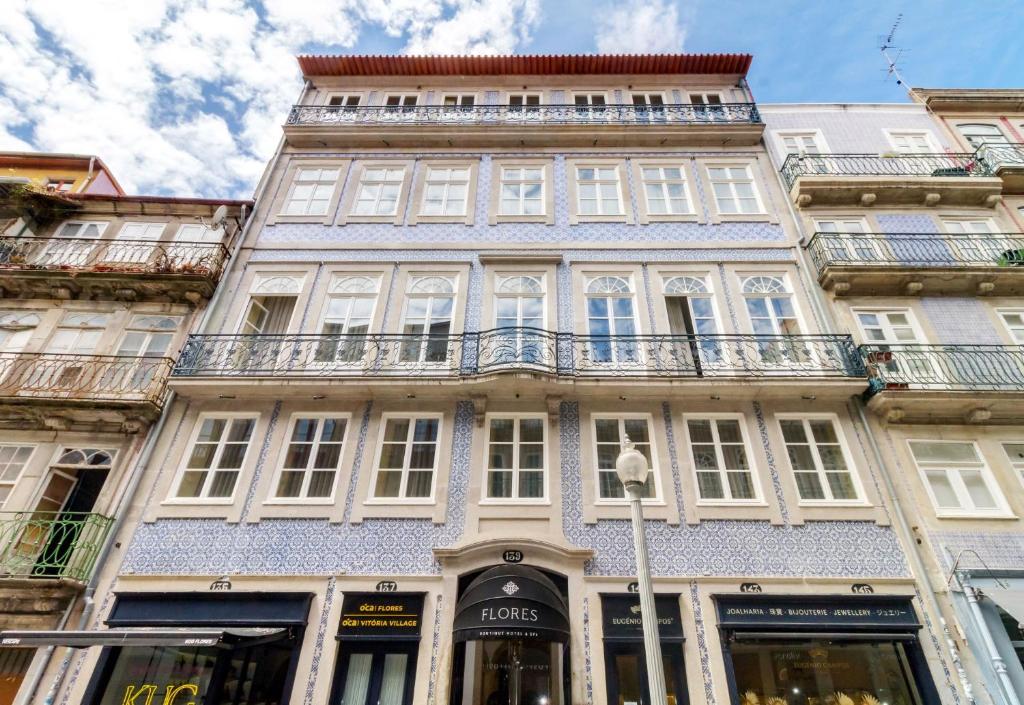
311, 192
463, 101
524, 102
648, 106
407, 460
129, 247
12, 461
16, 328
445, 191
141, 231
597, 189
611, 321
800, 142
197, 232
215, 461
427, 319
1014, 322
379, 189
818, 461
62, 185
770, 306
980, 134
665, 190
73, 244
957, 479
515, 458
82, 229
309, 467
887, 326
961, 226
610, 432
705, 98
912, 142
1014, 451
350, 306
345, 101
884, 329
721, 461
400, 101
593, 99
522, 190
850, 247
733, 187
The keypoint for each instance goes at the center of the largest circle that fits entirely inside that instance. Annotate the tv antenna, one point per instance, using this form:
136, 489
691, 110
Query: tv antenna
888, 49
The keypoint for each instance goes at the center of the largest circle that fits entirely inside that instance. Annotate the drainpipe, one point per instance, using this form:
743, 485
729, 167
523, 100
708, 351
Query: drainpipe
137, 472
917, 562
1006, 685
88, 177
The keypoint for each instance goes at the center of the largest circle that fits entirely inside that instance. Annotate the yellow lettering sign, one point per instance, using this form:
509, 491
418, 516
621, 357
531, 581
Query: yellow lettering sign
172, 693
131, 695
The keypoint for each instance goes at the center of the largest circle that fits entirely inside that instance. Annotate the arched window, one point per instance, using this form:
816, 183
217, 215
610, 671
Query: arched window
278, 284
86, 457
770, 306
427, 320
609, 285
763, 285
348, 316
520, 285
354, 285
978, 134
685, 285
431, 285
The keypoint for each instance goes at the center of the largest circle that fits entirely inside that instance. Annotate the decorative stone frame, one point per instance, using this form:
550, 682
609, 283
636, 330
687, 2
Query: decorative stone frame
763, 178
287, 183
494, 214
416, 214
348, 198
572, 190
644, 217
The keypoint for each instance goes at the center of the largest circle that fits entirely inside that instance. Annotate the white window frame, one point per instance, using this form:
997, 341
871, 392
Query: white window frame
891, 133
1002, 509
296, 181
751, 175
401, 96
816, 136
101, 227
308, 471
371, 496
521, 183
960, 132
788, 290
598, 182
210, 471
425, 336
704, 97
345, 98
663, 182
13, 484
458, 99
179, 235
844, 447
920, 338
590, 97
755, 478
524, 95
447, 183
545, 470
658, 498
1017, 466
1001, 312
363, 181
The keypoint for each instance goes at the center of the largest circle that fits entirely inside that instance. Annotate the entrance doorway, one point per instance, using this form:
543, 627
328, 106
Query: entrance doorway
376, 673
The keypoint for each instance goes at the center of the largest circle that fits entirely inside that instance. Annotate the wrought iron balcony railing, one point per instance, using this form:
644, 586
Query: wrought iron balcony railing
519, 350
916, 250
673, 114
202, 259
50, 544
1001, 156
945, 367
88, 378
797, 165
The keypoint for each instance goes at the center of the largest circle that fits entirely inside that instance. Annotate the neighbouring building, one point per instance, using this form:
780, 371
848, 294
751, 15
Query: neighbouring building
387, 475
98, 290
911, 219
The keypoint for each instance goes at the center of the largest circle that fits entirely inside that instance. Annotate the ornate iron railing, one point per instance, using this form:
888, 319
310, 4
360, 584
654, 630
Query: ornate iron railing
94, 378
519, 350
674, 114
203, 259
916, 249
797, 165
51, 544
1001, 156
950, 367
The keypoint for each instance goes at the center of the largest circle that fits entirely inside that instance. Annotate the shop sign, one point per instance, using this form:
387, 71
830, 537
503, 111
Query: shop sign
149, 694
621, 617
879, 611
381, 615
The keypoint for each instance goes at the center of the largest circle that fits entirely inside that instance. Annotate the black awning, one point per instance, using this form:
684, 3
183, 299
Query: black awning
143, 637
214, 610
512, 602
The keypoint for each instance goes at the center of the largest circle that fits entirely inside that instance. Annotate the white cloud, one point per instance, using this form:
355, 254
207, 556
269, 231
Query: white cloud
642, 27
187, 96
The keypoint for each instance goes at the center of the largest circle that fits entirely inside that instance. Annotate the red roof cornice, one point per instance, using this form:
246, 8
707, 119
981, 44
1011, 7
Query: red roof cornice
524, 65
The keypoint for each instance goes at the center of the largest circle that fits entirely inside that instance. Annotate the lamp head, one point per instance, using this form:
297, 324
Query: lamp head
631, 465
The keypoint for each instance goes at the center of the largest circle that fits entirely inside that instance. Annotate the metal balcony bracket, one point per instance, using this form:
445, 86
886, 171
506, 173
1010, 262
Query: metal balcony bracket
979, 415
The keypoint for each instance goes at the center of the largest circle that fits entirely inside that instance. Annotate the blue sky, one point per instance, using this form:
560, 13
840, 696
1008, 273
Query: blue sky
186, 97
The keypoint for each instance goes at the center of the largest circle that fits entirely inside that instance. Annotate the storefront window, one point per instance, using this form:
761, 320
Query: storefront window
822, 673
14, 665
628, 674
179, 675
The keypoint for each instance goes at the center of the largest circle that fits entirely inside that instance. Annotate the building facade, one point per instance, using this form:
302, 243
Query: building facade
911, 222
99, 289
387, 474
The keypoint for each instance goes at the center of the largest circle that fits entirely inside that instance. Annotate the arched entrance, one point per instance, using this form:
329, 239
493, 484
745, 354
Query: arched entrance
511, 636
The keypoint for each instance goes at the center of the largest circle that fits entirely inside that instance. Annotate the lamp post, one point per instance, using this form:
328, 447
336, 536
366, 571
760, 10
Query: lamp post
631, 467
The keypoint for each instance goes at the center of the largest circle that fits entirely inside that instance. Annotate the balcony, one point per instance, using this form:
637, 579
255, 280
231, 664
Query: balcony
892, 180
946, 383
65, 391
58, 546
506, 356
876, 264
1007, 162
516, 125
62, 268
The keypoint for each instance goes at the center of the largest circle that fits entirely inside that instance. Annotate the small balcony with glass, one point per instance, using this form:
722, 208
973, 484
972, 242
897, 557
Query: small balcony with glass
893, 179
878, 264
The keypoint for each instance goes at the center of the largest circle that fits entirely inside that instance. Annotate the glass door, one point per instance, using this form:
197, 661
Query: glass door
909, 362
375, 673
626, 669
519, 321
129, 247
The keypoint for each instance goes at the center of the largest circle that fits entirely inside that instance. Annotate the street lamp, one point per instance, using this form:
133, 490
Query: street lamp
631, 467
